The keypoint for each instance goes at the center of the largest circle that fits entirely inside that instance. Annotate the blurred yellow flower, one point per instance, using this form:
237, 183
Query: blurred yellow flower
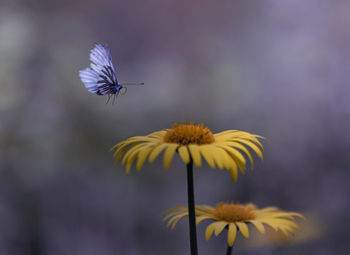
234, 216
309, 231
225, 150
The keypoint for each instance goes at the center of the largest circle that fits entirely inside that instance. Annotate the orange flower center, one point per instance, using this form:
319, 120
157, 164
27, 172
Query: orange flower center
185, 134
232, 212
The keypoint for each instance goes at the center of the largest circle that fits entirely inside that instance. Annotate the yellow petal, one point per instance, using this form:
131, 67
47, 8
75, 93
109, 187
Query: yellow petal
199, 219
284, 225
175, 219
118, 153
172, 214
236, 155
175, 210
206, 208
254, 138
231, 236
130, 161
209, 231
142, 156
158, 149
234, 135
219, 156
258, 225
234, 174
206, 151
280, 222
266, 209
220, 227
288, 215
194, 150
158, 135
252, 146
243, 228
115, 147
121, 149
242, 148
168, 154
274, 226
132, 151
232, 167
183, 152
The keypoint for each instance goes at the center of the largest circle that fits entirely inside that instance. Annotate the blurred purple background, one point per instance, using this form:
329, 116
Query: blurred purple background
280, 69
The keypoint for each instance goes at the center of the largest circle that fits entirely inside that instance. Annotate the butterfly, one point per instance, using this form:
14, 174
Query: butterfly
101, 78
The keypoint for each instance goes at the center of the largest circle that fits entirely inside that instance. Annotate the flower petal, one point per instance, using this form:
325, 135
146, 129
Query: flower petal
183, 152
220, 227
168, 154
209, 231
234, 174
121, 148
231, 236
196, 156
242, 148
173, 212
219, 156
258, 225
199, 219
130, 161
232, 167
243, 228
235, 155
159, 135
206, 151
158, 149
175, 219
204, 210
142, 156
252, 146
132, 151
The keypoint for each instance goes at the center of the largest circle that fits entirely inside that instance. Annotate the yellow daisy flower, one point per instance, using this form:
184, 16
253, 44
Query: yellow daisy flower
235, 216
225, 150
192, 142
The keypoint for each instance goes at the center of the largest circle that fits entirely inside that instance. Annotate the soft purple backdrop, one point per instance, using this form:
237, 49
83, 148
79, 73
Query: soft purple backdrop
280, 69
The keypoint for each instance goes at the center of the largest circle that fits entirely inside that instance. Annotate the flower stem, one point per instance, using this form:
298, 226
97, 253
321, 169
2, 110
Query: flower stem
191, 209
229, 250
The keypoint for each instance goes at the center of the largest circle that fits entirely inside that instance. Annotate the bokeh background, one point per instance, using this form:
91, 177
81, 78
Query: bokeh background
280, 69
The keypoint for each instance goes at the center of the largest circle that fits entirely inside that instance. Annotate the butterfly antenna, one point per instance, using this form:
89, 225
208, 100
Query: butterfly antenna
133, 83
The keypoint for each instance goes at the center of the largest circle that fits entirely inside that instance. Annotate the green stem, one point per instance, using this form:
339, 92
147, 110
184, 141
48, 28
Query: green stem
191, 209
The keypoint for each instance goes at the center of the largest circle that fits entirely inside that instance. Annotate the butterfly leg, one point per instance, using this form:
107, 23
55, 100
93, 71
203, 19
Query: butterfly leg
123, 90
109, 97
114, 96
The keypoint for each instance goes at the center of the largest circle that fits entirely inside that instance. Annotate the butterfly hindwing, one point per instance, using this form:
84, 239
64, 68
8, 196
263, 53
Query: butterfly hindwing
89, 78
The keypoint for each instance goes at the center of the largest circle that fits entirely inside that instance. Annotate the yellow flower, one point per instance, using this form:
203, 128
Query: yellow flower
310, 230
225, 150
234, 216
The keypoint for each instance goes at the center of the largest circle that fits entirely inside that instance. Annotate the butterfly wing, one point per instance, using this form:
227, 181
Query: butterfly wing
101, 77
89, 78
101, 59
